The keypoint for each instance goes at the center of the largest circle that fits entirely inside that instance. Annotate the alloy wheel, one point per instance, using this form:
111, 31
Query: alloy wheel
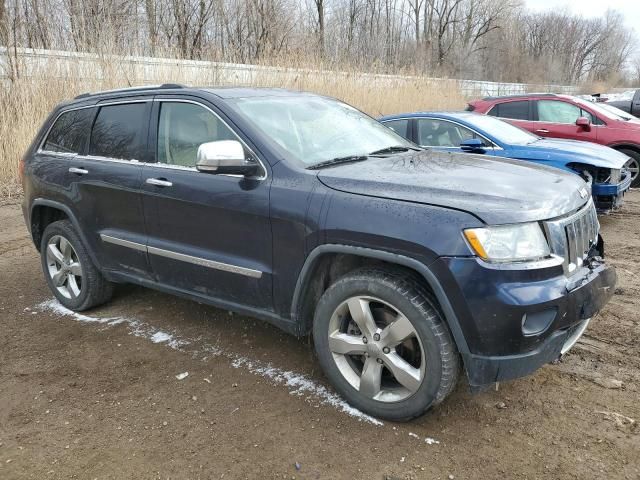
64, 267
376, 349
634, 167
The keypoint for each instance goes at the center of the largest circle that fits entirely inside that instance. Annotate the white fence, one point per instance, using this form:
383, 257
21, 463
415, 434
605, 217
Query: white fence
149, 70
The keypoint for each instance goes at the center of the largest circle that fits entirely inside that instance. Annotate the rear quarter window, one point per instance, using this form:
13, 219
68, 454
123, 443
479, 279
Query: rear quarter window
518, 110
401, 127
70, 131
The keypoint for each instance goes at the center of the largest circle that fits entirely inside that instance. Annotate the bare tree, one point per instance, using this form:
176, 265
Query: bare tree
4, 30
505, 41
320, 14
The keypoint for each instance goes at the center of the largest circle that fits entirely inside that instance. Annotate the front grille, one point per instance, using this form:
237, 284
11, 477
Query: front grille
573, 237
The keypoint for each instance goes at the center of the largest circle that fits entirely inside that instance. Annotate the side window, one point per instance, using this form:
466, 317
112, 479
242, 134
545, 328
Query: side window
515, 110
182, 128
118, 132
593, 119
401, 127
70, 132
558, 112
433, 132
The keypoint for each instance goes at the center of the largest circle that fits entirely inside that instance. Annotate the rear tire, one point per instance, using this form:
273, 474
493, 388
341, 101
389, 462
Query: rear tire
408, 362
634, 165
74, 280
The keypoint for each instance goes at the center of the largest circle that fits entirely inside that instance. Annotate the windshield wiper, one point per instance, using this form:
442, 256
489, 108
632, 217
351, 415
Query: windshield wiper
338, 161
393, 149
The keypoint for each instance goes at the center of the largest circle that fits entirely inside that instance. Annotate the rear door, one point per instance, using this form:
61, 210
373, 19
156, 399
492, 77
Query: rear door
516, 112
557, 119
209, 234
104, 185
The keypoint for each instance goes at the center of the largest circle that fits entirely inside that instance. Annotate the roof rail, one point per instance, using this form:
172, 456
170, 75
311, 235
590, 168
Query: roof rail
132, 89
495, 97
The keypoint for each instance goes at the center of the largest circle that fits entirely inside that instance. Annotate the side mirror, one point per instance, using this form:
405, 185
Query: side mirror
473, 145
224, 156
584, 123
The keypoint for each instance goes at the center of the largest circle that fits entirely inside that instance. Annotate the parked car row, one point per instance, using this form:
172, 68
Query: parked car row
564, 116
410, 267
605, 169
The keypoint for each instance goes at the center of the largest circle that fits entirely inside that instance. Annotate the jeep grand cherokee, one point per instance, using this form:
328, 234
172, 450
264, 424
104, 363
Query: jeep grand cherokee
408, 266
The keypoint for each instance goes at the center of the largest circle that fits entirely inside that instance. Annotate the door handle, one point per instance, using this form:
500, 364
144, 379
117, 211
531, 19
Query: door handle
542, 130
158, 182
79, 171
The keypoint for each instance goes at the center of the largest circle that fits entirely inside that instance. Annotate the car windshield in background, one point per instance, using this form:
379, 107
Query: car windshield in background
625, 96
603, 110
616, 111
502, 131
315, 130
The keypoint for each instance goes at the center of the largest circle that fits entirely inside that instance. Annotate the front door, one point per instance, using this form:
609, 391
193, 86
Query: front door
557, 119
209, 234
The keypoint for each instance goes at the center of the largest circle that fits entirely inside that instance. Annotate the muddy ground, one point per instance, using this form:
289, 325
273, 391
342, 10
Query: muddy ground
97, 396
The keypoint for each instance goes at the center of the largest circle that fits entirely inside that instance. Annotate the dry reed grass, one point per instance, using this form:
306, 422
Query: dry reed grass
26, 101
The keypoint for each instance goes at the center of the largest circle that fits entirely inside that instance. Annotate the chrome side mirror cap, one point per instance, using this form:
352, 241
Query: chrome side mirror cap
224, 156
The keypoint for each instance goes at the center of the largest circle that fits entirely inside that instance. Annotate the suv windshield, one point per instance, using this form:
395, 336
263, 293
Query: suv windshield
315, 129
502, 131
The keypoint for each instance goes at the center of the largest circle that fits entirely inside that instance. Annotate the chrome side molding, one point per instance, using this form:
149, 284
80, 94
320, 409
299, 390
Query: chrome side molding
123, 243
225, 267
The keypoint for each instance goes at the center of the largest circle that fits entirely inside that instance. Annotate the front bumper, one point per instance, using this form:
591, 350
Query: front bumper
609, 196
493, 306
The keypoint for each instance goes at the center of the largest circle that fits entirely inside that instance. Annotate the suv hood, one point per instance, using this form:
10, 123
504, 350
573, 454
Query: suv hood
498, 191
573, 151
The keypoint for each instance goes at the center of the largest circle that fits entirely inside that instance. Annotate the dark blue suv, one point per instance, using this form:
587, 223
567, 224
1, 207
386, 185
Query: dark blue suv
406, 265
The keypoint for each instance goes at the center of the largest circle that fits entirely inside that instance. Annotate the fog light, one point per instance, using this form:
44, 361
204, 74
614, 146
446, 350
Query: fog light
537, 322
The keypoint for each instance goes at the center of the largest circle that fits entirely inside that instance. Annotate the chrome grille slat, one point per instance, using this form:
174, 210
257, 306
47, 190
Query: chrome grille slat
572, 237
584, 238
573, 247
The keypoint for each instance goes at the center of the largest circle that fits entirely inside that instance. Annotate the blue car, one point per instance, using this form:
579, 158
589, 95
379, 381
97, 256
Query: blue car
602, 167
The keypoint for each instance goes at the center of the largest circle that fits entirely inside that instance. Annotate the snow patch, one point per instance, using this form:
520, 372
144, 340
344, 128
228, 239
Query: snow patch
431, 441
137, 328
160, 337
297, 383
56, 307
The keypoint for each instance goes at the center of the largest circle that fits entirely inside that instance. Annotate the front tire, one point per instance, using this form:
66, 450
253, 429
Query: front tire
70, 274
384, 345
633, 165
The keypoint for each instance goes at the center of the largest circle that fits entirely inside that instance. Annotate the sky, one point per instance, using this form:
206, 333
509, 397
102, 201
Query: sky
630, 9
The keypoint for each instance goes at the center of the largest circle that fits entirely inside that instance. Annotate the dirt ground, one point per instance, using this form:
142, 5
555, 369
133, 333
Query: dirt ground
96, 396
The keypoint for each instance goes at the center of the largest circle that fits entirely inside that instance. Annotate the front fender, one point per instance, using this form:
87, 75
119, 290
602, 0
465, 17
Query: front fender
390, 257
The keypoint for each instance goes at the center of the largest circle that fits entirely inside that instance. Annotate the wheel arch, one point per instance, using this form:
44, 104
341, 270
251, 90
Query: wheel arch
626, 146
321, 267
44, 212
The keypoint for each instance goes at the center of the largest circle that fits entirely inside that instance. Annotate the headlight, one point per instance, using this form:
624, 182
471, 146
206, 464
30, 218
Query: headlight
508, 243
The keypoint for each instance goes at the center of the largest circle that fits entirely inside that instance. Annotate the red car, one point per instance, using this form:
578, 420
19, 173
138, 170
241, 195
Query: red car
563, 116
